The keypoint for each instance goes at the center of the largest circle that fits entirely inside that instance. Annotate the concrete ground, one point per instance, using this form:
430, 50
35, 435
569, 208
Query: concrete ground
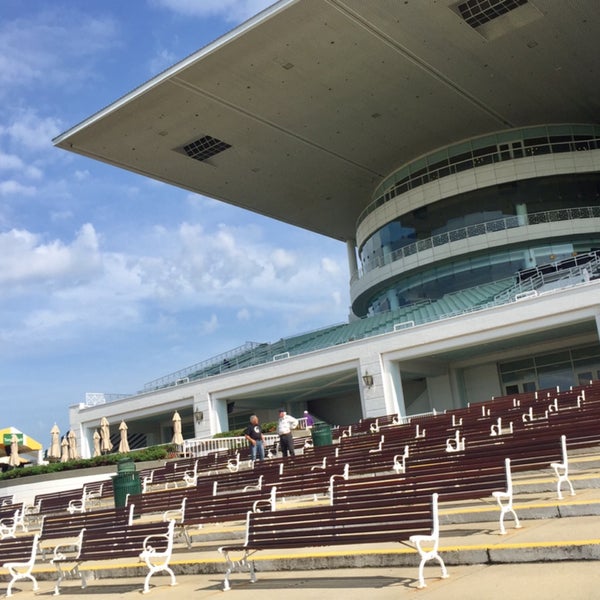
569, 580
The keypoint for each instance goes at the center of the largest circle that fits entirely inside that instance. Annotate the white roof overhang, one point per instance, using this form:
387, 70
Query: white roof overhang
320, 99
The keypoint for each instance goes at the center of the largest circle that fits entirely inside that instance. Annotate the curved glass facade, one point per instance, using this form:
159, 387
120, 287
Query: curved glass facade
475, 269
485, 150
480, 212
516, 199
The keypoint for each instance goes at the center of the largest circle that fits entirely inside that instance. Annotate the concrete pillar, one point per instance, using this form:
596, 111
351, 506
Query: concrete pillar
392, 382
393, 299
352, 261
521, 213
386, 249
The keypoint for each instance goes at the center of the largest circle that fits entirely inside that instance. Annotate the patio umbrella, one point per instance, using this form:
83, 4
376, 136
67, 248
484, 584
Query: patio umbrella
72, 441
177, 437
54, 451
105, 443
64, 456
96, 437
14, 460
123, 444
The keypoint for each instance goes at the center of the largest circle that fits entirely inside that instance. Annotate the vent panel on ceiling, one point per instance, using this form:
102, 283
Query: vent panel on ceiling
478, 12
205, 147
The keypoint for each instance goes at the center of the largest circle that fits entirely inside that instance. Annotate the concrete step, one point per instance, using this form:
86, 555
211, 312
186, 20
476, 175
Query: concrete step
552, 530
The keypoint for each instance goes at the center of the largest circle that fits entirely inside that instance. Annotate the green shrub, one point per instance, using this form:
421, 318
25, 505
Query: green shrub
147, 454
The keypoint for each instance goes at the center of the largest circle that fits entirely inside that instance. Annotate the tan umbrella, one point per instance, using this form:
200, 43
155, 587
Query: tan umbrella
72, 441
123, 444
96, 437
105, 443
177, 437
14, 460
54, 451
64, 456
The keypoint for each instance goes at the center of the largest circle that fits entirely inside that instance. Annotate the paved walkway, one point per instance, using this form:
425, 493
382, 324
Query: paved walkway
569, 580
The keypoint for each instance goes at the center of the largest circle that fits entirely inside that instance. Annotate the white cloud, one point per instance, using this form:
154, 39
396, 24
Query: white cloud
31, 131
51, 46
57, 216
10, 162
79, 288
243, 314
24, 257
11, 187
210, 326
230, 10
163, 60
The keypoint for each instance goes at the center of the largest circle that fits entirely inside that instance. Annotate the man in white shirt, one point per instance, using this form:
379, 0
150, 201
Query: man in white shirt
284, 428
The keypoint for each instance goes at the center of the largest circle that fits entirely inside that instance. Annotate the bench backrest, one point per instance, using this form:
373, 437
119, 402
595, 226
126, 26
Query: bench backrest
67, 525
8, 510
102, 543
232, 507
330, 525
19, 549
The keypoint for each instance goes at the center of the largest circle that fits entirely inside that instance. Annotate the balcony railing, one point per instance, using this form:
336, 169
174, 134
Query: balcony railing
470, 231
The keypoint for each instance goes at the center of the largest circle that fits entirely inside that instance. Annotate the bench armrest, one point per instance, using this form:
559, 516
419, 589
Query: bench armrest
61, 551
77, 505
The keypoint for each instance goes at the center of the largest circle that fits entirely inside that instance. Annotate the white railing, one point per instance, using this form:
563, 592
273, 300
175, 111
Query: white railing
221, 362
463, 233
206, 446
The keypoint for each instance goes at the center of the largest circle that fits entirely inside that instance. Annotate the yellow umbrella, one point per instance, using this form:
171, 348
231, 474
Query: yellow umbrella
177, 437
14, 460
26, 444
96, 437
54, 451
64, 456
105, 443
123, 444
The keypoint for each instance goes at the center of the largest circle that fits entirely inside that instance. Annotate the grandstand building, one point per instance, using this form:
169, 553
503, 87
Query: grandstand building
454, 147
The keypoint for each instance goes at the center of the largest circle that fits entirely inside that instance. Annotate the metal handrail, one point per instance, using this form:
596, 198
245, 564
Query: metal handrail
506, 297
463, 233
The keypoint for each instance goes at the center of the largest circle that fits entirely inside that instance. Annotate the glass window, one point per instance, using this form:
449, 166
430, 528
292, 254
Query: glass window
553, 359
552, 377
516, 365
561, 143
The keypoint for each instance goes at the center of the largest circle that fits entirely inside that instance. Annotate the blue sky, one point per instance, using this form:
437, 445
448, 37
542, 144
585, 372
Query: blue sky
107, 279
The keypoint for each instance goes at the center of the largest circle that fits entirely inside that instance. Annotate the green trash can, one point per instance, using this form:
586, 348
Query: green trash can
125, 465
126, 481
321, 434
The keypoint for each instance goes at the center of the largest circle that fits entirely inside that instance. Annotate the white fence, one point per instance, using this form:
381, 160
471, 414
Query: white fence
205, 446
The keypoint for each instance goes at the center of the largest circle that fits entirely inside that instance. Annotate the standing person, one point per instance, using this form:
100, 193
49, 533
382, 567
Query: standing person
284, 428
309, 419
254, 435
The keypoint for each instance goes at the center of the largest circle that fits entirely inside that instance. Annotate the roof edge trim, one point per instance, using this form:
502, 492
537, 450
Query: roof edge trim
238, 31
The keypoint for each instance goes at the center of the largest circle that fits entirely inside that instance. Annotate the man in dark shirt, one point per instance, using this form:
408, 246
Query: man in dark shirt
256, 439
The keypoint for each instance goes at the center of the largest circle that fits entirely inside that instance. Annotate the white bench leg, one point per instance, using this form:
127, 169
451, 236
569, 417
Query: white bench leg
562, 477
504, 509
238, 566
427, 555
155, 570
16, 575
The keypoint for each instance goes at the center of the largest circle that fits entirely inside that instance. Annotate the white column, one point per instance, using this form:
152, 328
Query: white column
352, 261
521, 213
393, 388
393, 298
